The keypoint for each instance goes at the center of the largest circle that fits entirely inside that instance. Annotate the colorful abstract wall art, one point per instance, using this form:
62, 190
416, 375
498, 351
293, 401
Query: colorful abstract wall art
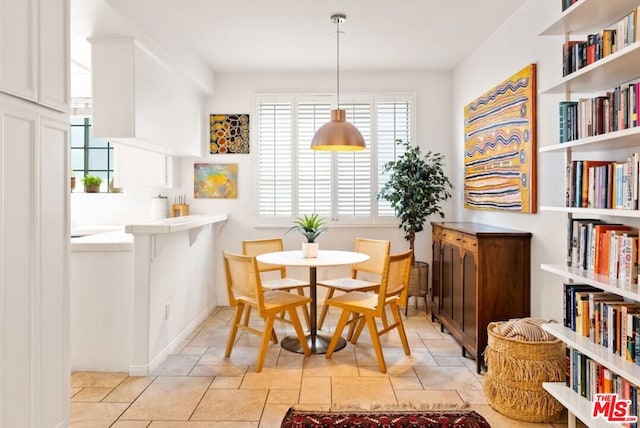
215, 180
229, 133
500, 146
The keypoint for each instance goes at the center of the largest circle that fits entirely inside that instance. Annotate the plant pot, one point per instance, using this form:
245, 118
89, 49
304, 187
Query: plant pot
310, 249
91, 189
418, 284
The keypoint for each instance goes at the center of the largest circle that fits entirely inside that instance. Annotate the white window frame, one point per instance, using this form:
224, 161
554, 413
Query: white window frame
333, 220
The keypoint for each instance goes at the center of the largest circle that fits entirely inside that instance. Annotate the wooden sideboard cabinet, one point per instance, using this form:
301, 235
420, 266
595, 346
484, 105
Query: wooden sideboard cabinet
481, 274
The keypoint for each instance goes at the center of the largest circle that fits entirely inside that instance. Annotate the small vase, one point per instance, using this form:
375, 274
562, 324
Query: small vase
310, 249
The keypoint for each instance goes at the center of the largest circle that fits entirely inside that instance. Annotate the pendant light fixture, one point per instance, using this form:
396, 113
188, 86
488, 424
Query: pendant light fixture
338, 135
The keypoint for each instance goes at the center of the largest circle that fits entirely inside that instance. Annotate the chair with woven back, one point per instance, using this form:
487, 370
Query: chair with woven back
245, 289
256, 247
367, 307
377, 250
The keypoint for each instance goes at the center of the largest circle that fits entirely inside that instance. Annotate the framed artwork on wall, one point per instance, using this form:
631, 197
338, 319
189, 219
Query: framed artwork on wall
215, 180
500, 146
228, 133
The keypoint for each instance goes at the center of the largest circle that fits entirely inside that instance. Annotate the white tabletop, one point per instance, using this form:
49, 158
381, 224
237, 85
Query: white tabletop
325, 258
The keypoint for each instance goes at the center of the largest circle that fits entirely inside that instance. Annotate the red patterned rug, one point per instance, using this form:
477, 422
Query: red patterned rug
409, 418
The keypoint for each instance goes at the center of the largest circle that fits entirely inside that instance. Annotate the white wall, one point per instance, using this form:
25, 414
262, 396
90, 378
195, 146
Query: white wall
510, 48
235, 94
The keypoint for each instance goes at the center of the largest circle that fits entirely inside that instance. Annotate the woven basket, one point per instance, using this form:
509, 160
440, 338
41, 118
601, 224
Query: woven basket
418, 279
515, 372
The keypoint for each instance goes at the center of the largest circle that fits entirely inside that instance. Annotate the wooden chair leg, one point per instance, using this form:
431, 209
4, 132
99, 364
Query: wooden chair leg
247, 315
358, 330
375, 339
266, 335
295, 320
305, 311
400, 326
342, 321
234, 329
325, 308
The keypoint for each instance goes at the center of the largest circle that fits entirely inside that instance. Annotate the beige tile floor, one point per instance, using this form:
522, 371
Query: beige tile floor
197, 387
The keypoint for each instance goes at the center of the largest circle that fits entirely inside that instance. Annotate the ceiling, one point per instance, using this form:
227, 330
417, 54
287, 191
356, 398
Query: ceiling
298, 35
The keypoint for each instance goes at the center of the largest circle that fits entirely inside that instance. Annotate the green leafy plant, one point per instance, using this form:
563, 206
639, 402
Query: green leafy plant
416, 187
91, 180
310, 226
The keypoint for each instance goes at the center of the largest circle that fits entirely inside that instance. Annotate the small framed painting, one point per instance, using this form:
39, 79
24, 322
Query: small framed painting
229, 133
215, 180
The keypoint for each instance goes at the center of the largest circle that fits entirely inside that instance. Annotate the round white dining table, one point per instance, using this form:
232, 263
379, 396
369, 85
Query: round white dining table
318, 343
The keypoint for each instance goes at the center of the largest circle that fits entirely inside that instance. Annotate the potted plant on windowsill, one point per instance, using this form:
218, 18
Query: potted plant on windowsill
311, 227
91, 183
416, 187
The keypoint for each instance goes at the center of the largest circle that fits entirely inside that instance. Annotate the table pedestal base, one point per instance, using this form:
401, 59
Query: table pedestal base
317, 346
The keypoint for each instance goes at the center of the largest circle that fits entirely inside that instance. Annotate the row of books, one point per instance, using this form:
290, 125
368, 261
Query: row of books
588, 378
577, 54
616, 110
605, 318
603, 184
604, 249
567, 3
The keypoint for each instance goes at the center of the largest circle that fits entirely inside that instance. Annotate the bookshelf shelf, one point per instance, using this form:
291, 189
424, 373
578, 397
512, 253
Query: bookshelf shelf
598, 353
575, 404
600, 281
579, 18
593, 211
612, 70
624, 139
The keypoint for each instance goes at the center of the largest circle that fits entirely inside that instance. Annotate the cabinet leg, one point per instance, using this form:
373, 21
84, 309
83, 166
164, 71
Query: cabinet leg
441, 328
478, 365
464, 353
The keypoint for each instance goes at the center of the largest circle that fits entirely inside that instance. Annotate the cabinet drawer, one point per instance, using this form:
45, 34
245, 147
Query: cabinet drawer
469, 243
452, 237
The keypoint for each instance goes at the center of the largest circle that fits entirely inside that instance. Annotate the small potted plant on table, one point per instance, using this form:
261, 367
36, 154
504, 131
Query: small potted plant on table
311, 227
91, 183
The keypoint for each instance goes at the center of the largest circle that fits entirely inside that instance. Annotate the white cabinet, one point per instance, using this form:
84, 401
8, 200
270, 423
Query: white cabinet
34, 248
141, 168
53, 55
34, 51
141, 101
586, 17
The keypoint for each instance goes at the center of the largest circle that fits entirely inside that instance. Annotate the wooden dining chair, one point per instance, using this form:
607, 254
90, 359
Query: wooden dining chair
377, 250
245, 290
371, 306
285, 283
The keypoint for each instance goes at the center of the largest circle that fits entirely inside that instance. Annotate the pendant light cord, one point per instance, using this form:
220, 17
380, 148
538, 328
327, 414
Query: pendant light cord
338, 62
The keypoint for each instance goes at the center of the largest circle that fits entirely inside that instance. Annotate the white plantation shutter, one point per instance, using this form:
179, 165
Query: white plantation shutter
393, 123
337, 185
314, 167
354, 169
275, 190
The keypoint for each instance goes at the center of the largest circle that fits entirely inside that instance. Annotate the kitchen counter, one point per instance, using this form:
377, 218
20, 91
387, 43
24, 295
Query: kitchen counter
175, 224
109, 241
138, 291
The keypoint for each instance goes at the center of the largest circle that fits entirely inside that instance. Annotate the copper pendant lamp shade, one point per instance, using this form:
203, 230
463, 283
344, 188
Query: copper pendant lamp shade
338, 135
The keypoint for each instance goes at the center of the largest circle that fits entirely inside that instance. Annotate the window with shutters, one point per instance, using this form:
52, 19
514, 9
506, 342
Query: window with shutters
341, 186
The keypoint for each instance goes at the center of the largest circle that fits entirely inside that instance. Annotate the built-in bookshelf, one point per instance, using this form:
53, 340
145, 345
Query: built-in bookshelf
578, 21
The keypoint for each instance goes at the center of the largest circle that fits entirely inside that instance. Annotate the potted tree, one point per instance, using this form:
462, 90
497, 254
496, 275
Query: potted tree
91, 183
311, 227
416, 187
